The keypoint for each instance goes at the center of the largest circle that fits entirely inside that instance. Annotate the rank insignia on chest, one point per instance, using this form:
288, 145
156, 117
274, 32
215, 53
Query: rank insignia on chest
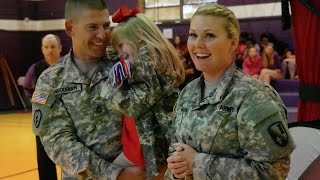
278, 134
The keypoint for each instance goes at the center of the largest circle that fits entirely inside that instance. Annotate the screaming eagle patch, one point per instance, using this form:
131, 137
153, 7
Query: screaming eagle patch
37, 115
278, 134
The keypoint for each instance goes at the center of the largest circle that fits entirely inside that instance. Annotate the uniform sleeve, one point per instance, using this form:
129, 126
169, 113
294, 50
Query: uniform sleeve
265, 147
53, 125
29, 81
136, 96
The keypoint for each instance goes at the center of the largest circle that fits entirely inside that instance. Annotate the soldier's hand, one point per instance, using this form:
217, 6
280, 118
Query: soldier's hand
132, 173
186, 153
177, 164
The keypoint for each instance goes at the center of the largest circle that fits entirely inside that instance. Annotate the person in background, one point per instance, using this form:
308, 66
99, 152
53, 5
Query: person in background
178, 45
78, 131
271, 64
264, 40
240, 51
144, 88
51, 48
289, 65
251, 43
227, 125
252, 64
189, 69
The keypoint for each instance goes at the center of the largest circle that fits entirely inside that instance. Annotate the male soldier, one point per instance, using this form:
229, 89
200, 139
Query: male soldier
79, 132
51, 49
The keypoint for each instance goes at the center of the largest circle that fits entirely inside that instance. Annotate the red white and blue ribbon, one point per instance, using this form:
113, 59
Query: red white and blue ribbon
120, 71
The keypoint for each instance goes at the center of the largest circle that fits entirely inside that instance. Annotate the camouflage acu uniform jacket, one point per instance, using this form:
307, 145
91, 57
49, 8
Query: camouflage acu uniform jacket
149, 97
79, 132
239, 130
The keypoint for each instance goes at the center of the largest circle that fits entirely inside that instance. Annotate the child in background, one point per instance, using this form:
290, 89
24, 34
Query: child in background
144, 88
289, 64
271, 64
252, 64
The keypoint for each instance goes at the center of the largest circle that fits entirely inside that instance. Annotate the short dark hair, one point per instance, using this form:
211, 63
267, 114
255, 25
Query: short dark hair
73, 7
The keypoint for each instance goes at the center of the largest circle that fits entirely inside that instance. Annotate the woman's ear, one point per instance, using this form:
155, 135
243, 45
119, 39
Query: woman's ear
234, 43
68, 27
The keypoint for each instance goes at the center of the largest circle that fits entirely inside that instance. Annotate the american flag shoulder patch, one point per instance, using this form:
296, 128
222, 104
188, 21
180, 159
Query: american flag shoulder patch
39, 97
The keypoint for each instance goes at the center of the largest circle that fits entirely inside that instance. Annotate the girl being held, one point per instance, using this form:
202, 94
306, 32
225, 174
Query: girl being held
144, 88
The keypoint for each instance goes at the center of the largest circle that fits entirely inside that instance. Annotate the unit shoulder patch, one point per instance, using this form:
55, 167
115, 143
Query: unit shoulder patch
278, 134
37, 116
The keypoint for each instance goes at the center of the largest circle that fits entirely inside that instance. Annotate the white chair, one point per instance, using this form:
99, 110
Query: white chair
306, 137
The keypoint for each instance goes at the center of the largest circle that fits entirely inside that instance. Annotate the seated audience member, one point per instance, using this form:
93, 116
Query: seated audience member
251, 40
190, 70
179, 46
289, 65
251, 43
271, 64
252, 64
264, 40
240, 50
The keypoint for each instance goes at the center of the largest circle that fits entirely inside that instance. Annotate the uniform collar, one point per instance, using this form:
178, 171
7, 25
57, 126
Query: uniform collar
77, 77
217, 95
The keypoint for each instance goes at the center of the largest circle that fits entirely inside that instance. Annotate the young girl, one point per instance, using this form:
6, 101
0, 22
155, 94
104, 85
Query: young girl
271, 64
144, 88
289, 64
252, 64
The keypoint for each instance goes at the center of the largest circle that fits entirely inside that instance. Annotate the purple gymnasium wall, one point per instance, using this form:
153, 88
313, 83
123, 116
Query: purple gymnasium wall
21, 49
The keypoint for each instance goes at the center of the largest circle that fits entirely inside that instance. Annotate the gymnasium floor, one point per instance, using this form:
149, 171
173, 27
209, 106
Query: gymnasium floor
18, 149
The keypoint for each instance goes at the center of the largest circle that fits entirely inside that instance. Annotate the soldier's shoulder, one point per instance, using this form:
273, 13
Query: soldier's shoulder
248, 85
55, 69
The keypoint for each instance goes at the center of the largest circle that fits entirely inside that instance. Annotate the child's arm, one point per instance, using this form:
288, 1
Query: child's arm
136, 95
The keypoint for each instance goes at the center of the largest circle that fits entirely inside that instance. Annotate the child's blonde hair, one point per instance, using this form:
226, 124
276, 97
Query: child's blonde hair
268, 59
139, 31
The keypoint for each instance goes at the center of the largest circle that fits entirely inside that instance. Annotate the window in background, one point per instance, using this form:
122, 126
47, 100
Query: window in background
163, 14
190, 6
161, 3
172, 10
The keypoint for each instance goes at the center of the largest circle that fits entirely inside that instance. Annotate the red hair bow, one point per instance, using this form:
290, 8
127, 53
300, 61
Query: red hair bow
124, 13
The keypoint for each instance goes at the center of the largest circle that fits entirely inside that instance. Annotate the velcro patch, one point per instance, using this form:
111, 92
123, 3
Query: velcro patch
68, 89
37, 118
39, 97
278, 134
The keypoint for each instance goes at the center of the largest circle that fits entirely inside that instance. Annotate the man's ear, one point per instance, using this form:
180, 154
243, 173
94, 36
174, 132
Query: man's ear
68, 27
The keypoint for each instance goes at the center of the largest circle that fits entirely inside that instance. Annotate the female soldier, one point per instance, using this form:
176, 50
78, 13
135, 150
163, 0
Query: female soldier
227, 125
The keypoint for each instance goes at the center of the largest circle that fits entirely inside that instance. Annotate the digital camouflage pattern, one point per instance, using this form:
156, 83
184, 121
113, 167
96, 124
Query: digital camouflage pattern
239, 130
79, 131
149, 97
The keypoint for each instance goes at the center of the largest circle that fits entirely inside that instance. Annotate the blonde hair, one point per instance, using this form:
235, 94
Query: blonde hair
139, 31
232, 24
268, 59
